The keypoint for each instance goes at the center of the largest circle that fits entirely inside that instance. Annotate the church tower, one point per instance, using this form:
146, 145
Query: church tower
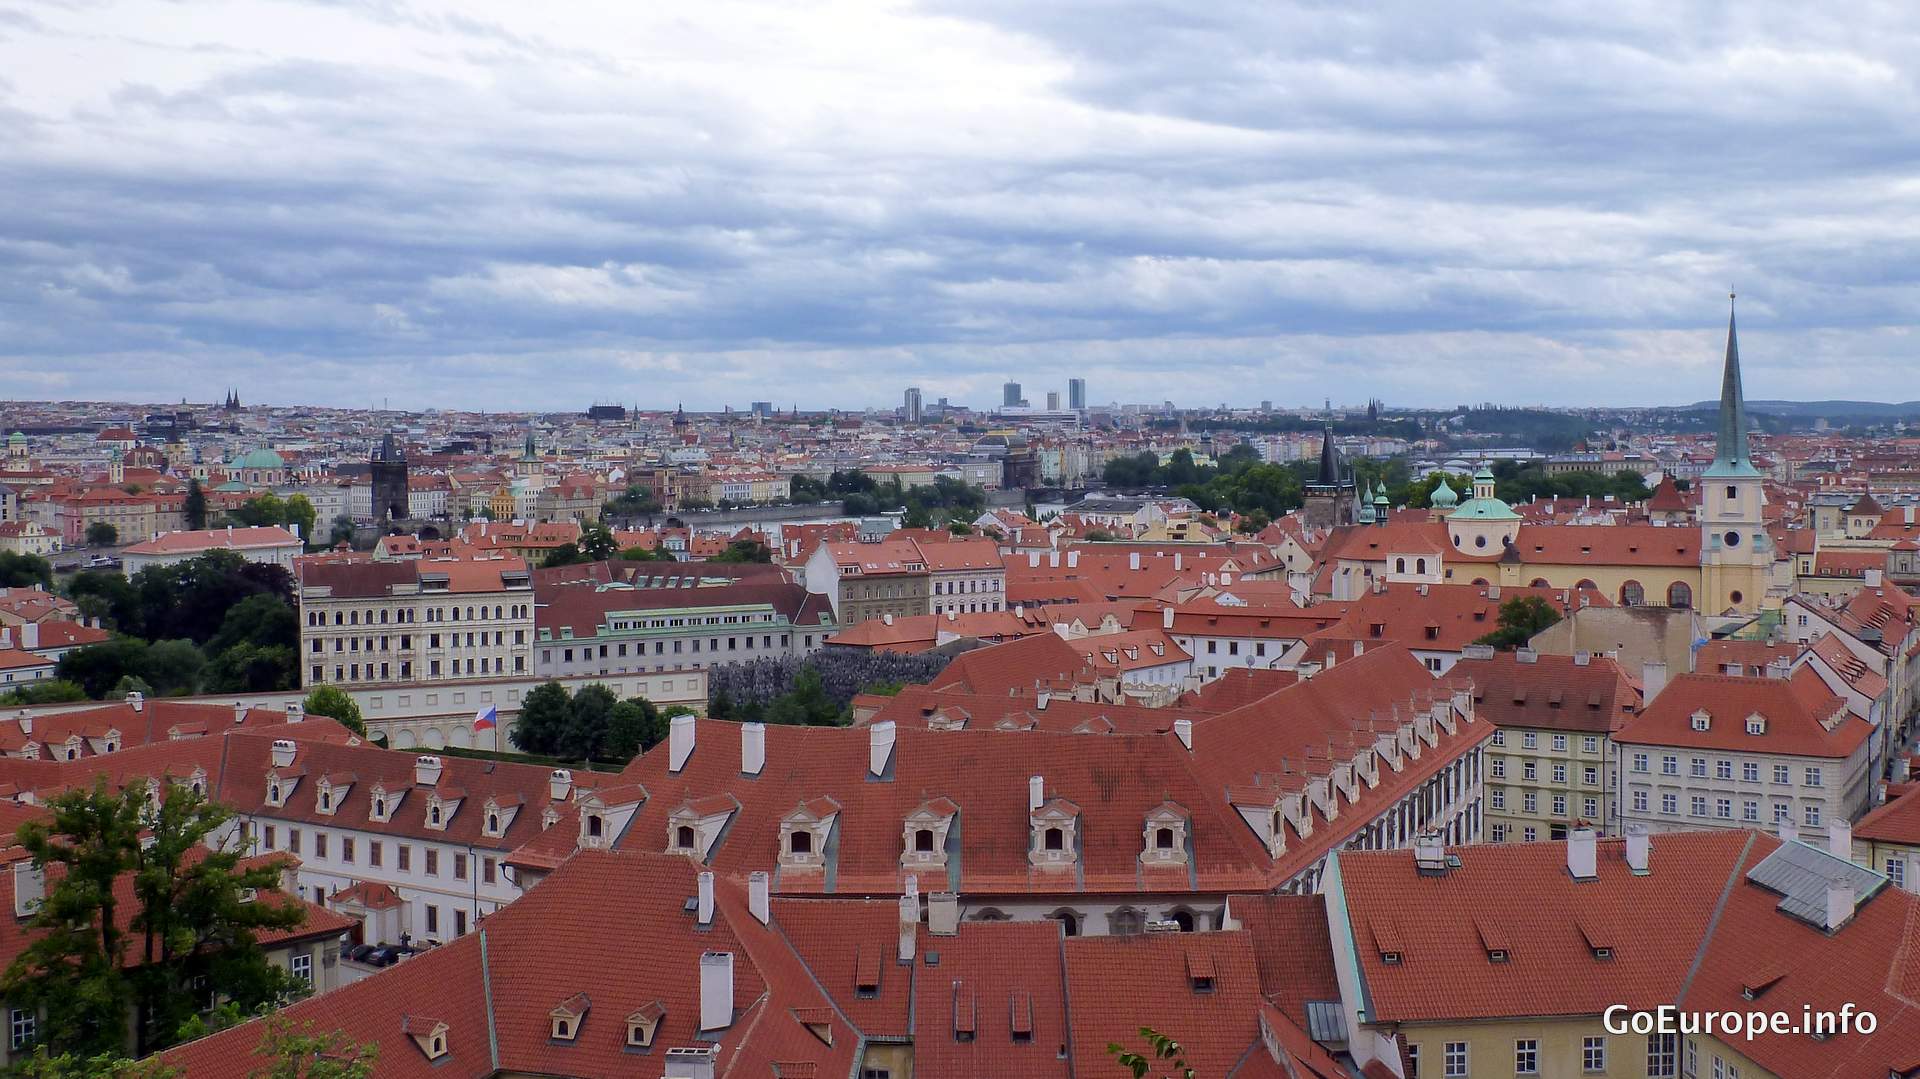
1330, 501
1736, 555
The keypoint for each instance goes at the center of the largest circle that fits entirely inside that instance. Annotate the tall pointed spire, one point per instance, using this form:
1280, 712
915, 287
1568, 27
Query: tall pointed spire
1730, 456
1329, 469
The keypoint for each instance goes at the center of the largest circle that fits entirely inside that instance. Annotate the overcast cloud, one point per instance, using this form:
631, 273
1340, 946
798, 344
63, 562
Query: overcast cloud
512, 205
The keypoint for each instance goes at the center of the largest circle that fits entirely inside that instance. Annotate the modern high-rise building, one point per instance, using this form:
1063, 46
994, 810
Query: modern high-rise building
913, 410
1077, 394
1010, 395
1053, 400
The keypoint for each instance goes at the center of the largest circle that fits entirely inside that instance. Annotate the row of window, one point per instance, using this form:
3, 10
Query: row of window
1810, 776
1531, 740
1530, 771
955, 588
1722, 808
1456, 1063
348, 848
434, 640
1530, 803
660, 647
406, 615
385, 672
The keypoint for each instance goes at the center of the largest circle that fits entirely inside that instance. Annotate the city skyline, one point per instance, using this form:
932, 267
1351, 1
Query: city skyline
491, 208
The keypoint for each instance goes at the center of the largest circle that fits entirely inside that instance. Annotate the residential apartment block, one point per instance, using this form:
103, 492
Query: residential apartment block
672, 621
415, 621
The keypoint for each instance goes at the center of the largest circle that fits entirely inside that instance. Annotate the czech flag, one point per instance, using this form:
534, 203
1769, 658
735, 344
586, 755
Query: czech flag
486, 719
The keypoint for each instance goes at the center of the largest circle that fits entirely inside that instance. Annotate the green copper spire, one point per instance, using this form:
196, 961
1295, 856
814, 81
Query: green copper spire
1730, 457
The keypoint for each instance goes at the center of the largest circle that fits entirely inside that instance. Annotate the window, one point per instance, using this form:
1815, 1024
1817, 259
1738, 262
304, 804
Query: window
302, 966
1670, 804
1639, 801
433, 862
1813, 816
1813, 777
1499, 738
1698, 805
1499, 768
1054, 839
1529, 770
1590, 775
1593, 1054
1750, 772
1782, 774
1559, 773
489, 870
1697, 767
1559, 805
1693, 1058
1897, 871
1590, 744
1669, 765
1499, 831
433, 918
801, 842
683, 837
1413, 1061
1723, 769
1661, 1056
1590, 808
1639, 762
20, 1022
459, 867
1526, 1057
1530, 740
1750, 809
374, 847
1456, 1059
1559, 743
406, 858
1531, 801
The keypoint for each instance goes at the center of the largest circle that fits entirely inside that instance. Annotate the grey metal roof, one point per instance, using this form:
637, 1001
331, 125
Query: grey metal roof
1326, 1022
1800, 874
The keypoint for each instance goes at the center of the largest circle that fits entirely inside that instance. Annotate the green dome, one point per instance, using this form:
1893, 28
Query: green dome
260, 458
1443, 496
18, 438
1485, 473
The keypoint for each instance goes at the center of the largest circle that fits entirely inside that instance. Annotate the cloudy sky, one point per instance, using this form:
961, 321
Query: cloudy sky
536, 205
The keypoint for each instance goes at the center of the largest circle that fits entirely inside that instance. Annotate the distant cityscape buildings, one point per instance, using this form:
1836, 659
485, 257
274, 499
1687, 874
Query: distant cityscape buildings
1077, 394
1010, 396
914, 411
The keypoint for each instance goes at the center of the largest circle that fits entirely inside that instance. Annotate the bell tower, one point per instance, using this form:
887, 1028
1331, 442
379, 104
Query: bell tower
1736, 555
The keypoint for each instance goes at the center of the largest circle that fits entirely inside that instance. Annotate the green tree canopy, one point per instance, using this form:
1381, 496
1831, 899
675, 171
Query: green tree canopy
102, 534
196, 506
334, 703
744, 550
25, 571
1520, 618
543, 719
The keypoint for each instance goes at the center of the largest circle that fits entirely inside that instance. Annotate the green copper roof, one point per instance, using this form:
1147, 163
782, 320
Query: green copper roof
1484, 509
260, 458
1730, 456
1443, 496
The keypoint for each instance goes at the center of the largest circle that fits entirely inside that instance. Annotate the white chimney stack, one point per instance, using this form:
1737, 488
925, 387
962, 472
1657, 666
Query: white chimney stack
1429, 852
137, 701
1839, 903
759, 896
426, 771
1073, 559
239, 712
943, 914
705, 903
880, 738
1183, 730
283, 749
1176, 562
1166, 618
909, 925
1133, 560
559, 785
29, 635
296, 712
1840, 840
1036, 792
679, 743
1639, 849
753, 748
1789, 831
1583, 854
1653, 679
716, 991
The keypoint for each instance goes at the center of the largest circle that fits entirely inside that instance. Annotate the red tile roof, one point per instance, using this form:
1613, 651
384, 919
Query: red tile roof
1804, 717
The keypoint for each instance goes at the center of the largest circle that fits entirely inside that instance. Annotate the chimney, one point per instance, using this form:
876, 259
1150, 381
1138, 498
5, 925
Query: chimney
6, 636
1073, 559
239, 712
1839, 904
283, 749
1779, 667
943, 914
886, 619
909, 925
1133, 560
1789, 831
1583, 854
1020, 611
29, 888
753, 748
1873, 579
1639, 849
1582, 659
1036, 792
716, 991
679, 743
1653, 679
1176, 561
559, 785
137, 701
1183, 730
426, 771
1840, 840
759, 897
29, 635
296, 712
1525, 655
704, 905
1166, 617
1033, 559
880, 738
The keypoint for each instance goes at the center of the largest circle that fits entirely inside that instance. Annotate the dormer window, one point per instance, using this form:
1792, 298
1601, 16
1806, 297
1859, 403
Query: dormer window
1497, 955
1702, 720
563, 1029
642, 1025
567, 1017
683, 837
799, 843
436, 1047
1391, 959
1056, 839
379, 808
596, 826
274, 793
326, 799
1163, 839
923, 840
1756, 724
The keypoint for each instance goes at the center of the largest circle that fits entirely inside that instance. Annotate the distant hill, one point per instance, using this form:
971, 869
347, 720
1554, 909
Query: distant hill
1816, 409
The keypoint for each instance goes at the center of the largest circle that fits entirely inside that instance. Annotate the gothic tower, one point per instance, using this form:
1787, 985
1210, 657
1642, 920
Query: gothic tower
1330, 501
389, 468
1736, 555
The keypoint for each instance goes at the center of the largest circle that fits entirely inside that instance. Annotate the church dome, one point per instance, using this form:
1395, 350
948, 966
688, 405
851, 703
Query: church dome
260, 458
1443, 496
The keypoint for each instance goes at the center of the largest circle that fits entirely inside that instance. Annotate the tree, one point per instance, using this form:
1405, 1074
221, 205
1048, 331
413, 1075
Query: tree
1100, 535
597, 543
252, 668
744, 550
196, 506
169, 667
1520, 618
643, 554
342, 531
200, 907
805, 490
302, 1054
333, 702
25, 571
300, 516
106, 595
585, 731
543, 718
636, 501
960, 528
634, 727
564, 555
102, 534
46, 691
265, 509
1159, 1048
42, 1065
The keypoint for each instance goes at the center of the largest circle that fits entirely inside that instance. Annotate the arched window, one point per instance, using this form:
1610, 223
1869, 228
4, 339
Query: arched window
1420, 565
1539, 582
1278, 822
1163, 839
1069, 922
1679, 595
801, 842
1054, 839
1399, 565
923, 840
493, 822
1125, 921
1632, 595
683, 837
595, 825
1183, 919
1584, 583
